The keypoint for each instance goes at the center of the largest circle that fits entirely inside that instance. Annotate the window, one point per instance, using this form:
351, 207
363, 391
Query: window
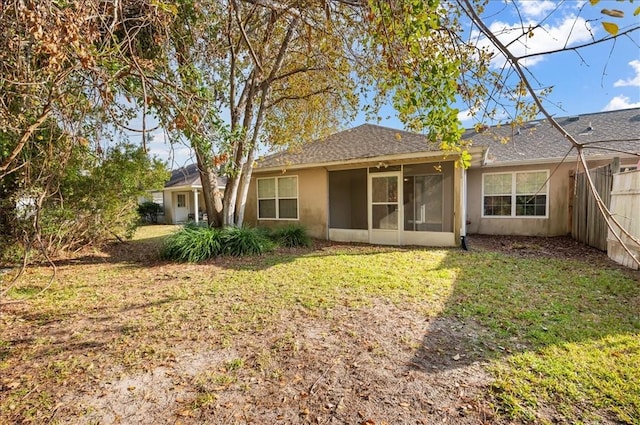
520, 194
278, 198
181, 200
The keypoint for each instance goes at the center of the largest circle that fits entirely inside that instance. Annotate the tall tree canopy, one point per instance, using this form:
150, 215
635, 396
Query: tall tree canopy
65, 70
285, 72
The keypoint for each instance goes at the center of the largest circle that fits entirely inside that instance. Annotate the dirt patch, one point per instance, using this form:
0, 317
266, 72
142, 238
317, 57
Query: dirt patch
537, 247
376, 365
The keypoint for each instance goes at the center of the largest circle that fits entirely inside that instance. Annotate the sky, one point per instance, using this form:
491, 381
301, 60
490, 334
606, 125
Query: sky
597, 78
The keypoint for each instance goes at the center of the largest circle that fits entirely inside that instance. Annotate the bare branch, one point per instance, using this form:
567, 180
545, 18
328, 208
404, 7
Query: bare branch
46, 112
609, 218
245, 37
327, 89
581, 46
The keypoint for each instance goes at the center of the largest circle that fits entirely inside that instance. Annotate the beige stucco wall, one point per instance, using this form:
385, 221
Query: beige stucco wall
560, 194
313, 198
313, 195
168, 207
557, 223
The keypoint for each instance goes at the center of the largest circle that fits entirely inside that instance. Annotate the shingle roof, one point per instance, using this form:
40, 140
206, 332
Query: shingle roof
536, 140
189, 176
184, 176
362, 142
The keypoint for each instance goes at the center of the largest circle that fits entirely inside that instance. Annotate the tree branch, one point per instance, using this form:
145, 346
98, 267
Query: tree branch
609, 218
581, 46
245, 37
46, 112
323, 90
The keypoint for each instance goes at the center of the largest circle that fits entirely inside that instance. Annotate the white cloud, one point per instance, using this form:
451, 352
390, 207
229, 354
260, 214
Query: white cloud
569, 31
468, 116
633, 81
536, 8
465, 116
620, 102
176, 154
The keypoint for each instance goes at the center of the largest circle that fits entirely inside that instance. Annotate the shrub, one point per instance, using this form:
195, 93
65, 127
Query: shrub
193, 244
292, 235
149, 212
240, 241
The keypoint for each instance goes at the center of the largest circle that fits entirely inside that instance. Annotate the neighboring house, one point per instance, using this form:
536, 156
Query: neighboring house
182, 196
379, 185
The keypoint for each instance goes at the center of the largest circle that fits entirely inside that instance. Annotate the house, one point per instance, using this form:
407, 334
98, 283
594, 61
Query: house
512, 173
181, 196
384, 186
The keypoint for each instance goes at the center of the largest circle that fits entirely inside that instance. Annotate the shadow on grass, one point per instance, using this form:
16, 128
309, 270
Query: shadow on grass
147, 252
556, 331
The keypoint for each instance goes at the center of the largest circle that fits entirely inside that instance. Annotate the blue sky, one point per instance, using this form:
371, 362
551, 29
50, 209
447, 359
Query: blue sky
598, 78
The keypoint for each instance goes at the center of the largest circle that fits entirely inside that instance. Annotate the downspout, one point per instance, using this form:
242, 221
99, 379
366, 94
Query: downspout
197, 207
463, 211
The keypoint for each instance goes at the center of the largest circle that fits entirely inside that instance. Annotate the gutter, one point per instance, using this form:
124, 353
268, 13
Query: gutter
489, 164
368, 160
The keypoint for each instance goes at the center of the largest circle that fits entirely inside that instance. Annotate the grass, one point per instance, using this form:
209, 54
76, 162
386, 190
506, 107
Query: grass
560, 334
580, 325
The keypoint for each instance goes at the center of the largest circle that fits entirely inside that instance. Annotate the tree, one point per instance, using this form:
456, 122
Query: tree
283, 73
286, 72
65, 205
65, 69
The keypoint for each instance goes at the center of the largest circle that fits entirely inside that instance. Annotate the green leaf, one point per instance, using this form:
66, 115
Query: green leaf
611, 28
636, 12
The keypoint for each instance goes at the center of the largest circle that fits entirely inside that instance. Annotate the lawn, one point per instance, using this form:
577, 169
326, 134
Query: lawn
330, 334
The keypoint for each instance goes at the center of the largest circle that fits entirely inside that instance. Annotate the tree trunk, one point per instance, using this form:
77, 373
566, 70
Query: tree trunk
210, 192
230, 197
244, 187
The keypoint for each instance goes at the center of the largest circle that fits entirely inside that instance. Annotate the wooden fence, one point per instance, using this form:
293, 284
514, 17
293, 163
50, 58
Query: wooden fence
588, 225
625, 207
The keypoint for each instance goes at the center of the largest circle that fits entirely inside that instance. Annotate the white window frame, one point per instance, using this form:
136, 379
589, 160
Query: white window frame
178, 203
514, 194
277, 198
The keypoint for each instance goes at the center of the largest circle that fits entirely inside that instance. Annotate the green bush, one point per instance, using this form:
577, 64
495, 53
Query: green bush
149, 212
292, 235
193, 244
85, 200
239, 241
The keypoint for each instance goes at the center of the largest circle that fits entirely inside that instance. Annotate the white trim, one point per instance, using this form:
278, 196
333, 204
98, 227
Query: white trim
429, 238
513, 195
349, 235
385, 236
554, 160
182, 188
196, 206
463, 207
277, 198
